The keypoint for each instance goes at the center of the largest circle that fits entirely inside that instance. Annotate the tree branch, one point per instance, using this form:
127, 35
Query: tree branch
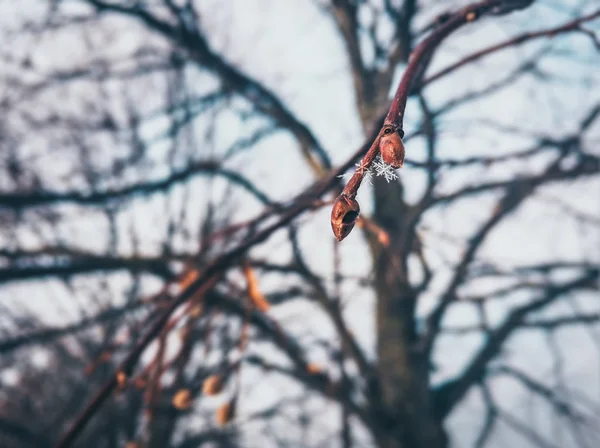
20, 200
450, 393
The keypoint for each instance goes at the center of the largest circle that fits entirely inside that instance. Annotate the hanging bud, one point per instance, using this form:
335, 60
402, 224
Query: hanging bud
391, 148
344, 214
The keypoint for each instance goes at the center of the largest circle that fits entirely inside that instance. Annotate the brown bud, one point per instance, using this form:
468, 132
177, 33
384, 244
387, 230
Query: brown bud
392, 149
344, 214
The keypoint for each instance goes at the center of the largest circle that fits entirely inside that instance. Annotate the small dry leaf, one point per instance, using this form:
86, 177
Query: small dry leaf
470, 16
188, 279
383, 237
182, 399
121, 379
313, 369
196, 311
212, 385
256, 297
226, 412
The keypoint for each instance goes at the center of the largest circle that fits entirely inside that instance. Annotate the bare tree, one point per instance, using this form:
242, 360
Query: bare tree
168, 274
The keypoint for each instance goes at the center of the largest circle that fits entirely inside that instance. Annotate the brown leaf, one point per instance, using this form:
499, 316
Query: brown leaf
188, 279
256, 297
121, 379
196, 311
182, 399
212, 385
313, 368
226, 412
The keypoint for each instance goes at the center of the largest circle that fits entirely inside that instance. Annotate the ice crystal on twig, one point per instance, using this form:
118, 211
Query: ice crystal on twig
367, 172
378, 168
383, 169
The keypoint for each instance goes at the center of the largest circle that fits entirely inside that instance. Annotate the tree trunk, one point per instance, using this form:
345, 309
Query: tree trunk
403, 371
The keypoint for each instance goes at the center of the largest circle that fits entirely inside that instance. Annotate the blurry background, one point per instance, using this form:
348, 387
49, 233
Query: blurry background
139, 138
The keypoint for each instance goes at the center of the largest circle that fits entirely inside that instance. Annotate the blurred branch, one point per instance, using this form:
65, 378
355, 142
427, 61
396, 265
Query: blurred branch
560, 405
22, 433
586, 165
514, 194
536, 324
190, 39
66, 266
450, 393
571, 26
48, 335
303, 202
20, 200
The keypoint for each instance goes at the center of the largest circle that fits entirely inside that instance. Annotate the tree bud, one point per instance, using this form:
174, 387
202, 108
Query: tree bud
391, 149
344, 213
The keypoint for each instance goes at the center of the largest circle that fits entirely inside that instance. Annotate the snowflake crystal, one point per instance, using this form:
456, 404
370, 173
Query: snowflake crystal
383, 169
378, 168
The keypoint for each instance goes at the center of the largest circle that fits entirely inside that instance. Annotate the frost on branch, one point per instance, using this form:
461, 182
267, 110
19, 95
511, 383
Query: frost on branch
378, 168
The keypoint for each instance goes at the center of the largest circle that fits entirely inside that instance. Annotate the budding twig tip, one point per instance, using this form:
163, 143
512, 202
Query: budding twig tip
344, 214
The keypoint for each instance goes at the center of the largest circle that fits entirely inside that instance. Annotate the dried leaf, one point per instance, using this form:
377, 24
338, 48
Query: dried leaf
212, 385
188, 279
226, 412
182, 399
121, 379
196, 311
313, 369
256, 297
